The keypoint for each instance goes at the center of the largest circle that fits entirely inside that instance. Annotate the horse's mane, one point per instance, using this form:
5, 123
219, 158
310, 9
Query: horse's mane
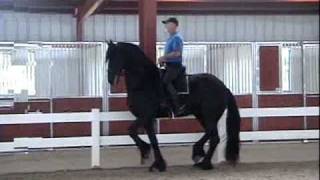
144, 69
136, 53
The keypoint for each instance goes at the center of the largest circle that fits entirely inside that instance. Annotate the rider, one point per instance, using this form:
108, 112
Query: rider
173, 60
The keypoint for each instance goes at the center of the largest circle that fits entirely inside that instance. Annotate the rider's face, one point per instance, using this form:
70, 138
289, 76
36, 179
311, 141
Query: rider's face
171, 27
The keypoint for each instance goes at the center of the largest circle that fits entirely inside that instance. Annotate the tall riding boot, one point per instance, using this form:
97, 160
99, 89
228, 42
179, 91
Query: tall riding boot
177, 109
175, 102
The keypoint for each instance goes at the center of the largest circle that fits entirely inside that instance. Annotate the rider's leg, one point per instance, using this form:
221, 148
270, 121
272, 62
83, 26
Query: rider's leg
169, 76
174, 96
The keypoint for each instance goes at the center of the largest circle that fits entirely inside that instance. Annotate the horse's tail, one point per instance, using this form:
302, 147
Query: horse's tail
233, 130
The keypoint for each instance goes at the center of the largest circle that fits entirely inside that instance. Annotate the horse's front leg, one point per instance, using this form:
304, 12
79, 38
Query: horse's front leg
159, 162
143, 146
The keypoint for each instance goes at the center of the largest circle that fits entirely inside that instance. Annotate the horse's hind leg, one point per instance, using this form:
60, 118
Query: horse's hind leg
206, 164
197, 152
159, 163
143, 146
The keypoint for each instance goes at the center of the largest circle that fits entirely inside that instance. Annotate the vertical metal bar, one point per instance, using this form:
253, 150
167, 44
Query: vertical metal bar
105, 89
66, 65
104, 79
280, 47
205, 60
305, 125
242, 70
238, 82
208, 55
231, 69
230, 62
98, 60
247, 69
224, 65
255, 83
50, 90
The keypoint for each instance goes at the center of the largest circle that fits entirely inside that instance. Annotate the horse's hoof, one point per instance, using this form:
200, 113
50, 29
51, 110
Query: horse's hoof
233, 163
143, 160
145, 153
204, 165
160, 165
197, 154
145, 157
196, 159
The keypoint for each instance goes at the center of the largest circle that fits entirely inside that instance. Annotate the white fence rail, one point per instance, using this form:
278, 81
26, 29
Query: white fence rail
95, 141
127, 116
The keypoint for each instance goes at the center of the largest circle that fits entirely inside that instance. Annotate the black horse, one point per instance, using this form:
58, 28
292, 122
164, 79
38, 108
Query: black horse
207, 100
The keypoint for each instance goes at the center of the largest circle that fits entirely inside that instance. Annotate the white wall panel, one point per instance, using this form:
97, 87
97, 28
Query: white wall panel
115, 27
22, 27
54, 69
212, 28
311, 58
247, 28
16, 26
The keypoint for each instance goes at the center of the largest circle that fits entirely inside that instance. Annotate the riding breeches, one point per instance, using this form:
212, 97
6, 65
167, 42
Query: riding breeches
171, 74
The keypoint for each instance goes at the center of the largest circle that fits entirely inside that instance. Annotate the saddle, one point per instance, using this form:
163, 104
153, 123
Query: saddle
181, 83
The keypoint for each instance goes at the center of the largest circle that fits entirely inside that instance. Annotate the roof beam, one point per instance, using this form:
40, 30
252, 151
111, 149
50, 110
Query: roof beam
225, 1
218, 7
222, 1
84, 11
87, 9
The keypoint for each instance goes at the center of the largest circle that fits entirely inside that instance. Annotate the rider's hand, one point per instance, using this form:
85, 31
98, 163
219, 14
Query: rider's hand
162, 59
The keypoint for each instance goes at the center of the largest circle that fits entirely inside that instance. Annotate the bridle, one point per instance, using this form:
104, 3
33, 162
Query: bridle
117, 75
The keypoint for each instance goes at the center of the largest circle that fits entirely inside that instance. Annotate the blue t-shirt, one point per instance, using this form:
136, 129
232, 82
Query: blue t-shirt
174, 43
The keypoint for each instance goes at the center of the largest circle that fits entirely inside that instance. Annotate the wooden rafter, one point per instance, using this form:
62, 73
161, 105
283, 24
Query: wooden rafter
84, 11
88, 8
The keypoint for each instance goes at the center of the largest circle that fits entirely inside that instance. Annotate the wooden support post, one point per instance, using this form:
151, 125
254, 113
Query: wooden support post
148, 27
79, 30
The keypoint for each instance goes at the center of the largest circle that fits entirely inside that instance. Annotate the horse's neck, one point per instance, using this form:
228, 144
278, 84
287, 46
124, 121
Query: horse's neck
142, 77
138, 65
140, 71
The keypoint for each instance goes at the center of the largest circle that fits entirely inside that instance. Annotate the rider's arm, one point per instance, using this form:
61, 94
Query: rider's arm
173, 54
177, 49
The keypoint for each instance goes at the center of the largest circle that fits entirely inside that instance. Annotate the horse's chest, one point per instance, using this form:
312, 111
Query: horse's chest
141, 103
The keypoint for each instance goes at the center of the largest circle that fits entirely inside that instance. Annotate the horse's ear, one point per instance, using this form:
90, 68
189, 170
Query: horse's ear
110, 43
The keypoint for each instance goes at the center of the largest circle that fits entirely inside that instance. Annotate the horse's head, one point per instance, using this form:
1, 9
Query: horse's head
115, 59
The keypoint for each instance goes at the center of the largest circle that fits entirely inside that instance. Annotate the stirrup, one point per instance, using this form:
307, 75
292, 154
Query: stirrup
172, 115
181, 112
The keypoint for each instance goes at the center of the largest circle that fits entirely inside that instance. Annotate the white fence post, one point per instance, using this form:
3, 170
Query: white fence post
95, 134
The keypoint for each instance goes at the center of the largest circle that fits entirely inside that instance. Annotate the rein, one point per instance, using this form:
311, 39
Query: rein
121, 73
